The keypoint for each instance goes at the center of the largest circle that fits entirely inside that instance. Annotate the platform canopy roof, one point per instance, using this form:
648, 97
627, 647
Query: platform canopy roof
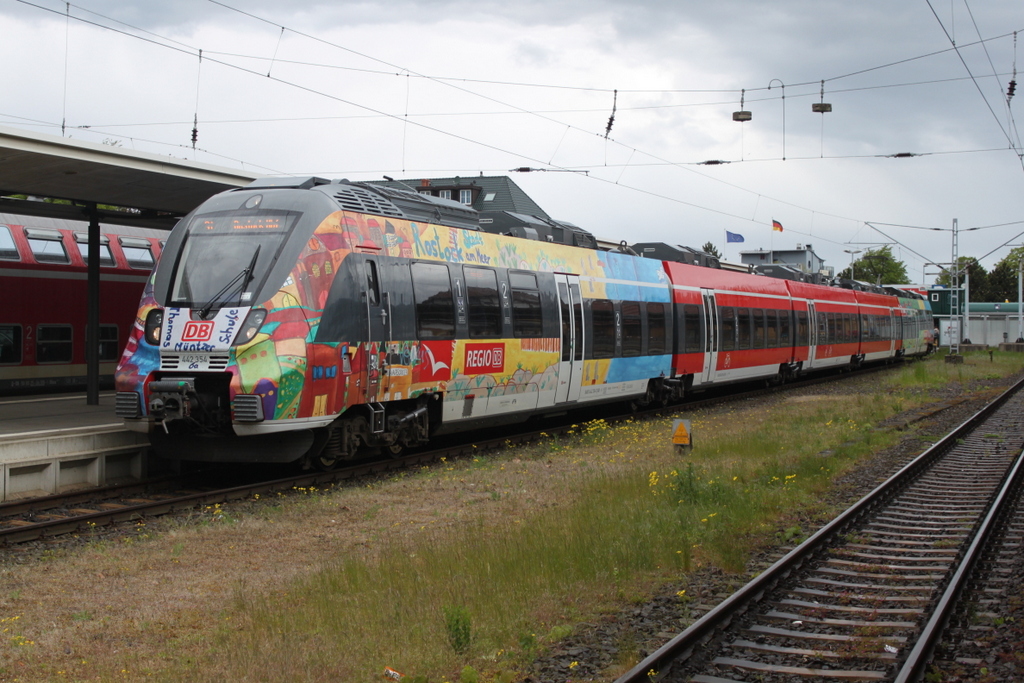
158, 189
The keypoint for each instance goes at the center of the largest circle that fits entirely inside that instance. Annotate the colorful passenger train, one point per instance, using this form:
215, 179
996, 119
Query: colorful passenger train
44, 290
320, 320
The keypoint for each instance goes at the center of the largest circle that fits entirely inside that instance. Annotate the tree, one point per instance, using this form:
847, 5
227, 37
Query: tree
878, 266
1002, 281
979, 278
710, 248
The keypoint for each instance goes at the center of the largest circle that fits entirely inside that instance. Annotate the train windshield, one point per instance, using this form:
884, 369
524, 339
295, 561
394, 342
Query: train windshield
226, 256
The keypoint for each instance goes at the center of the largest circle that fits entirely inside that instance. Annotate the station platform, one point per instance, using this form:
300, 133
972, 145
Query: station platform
55, 443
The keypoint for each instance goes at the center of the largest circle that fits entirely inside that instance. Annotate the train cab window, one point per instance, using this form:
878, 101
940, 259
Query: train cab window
484, 303
632, 330
432, 289
743, 328
728, 331
47, 246
691, 329
106, 258
656, 329
602, 314
53, 344
138, 252
527, 319
10, 344
8, 249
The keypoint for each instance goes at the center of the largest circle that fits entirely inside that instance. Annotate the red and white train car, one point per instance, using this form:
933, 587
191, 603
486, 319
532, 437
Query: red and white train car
43, 299
737, 327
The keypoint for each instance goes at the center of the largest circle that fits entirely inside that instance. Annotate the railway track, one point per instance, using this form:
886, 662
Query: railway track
866, 597
32, 519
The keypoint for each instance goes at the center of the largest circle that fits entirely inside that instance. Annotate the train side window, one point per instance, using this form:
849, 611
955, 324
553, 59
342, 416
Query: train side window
8, 249
691, 329
435, 312
106, 258
759, 328
784, 319
372, 283
802, 330
10, 344
772, 329
743, 328
109, 348
822, 329
53, 344
138, 252
47, 246
602, 313
527, 318
484, 303
656, 329
728, 332
632, 330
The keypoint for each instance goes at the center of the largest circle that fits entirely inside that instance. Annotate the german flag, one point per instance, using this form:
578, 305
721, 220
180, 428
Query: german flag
777, 226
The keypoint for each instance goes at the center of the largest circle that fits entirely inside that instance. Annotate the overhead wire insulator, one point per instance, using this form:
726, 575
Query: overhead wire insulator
611, 119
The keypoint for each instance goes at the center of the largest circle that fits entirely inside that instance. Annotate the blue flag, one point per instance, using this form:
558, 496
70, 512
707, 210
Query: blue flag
733, 236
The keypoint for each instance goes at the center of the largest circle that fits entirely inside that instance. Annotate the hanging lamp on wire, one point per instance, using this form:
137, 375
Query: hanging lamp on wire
742, 115
821, 107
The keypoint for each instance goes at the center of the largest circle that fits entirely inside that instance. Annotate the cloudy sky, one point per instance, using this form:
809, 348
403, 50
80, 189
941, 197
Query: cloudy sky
453, 87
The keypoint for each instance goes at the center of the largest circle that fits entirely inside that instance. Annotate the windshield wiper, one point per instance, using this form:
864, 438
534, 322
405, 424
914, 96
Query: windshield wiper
245, 276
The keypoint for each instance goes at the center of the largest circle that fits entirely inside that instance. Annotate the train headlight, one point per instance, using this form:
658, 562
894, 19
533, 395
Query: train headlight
154, 326
253, 323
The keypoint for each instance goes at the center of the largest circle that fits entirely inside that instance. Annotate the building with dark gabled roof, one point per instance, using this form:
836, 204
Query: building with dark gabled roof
483, 193
502, 205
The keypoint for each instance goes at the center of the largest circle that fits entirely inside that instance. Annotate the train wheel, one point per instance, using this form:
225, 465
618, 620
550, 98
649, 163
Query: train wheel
324, 462
395, 450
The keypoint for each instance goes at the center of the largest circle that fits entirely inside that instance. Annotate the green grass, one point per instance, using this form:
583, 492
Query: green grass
489, 596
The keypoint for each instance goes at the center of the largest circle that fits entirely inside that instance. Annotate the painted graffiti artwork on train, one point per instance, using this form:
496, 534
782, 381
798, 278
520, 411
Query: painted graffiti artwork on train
43, 285
313, 319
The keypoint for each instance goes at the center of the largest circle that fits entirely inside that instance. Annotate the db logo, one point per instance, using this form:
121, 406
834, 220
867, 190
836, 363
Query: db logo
482, 358
196, 331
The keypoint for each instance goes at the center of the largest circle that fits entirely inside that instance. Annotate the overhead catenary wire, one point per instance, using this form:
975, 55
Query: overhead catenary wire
976, 85
633, 150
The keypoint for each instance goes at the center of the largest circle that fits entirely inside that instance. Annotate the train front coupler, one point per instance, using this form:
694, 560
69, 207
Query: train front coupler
172, 399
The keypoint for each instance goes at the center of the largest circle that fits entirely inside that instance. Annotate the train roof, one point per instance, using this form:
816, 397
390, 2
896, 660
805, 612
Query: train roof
389, 202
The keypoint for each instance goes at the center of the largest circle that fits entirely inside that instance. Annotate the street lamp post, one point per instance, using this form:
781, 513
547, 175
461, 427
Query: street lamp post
852, 253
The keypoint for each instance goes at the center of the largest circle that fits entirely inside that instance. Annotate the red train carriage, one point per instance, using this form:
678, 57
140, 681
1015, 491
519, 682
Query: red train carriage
44, 290
735, 326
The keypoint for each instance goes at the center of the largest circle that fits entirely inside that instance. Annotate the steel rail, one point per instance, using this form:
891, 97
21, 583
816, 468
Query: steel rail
660, 663
913, 668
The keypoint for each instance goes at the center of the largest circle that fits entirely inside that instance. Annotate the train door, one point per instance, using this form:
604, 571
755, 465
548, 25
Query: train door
378, 315
570, 314
710, 336
895, 332
812, 334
